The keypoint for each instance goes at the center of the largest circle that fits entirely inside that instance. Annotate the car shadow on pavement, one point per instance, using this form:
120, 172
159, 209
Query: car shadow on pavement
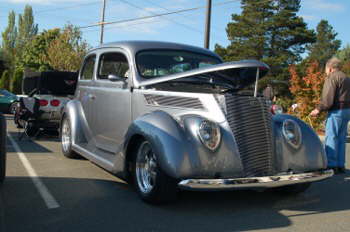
27, 145
101, 205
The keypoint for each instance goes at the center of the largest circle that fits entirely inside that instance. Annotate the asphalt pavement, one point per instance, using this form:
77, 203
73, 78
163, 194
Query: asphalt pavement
44, 191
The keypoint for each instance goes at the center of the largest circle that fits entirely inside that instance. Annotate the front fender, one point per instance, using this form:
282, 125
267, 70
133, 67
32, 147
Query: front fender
167, 139
73, 110
308, 157
179, 151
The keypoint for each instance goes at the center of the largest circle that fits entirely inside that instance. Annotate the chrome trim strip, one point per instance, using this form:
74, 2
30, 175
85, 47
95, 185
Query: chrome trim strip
254, 182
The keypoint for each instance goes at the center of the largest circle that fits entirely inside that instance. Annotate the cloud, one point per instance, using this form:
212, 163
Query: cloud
324, 5
309, 17
149, 25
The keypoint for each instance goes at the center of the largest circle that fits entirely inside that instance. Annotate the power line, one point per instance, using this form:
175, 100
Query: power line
140, 18
167, 9
152, 13
152, 16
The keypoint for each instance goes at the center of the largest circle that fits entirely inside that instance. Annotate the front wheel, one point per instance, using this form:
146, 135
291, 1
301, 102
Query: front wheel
66, 139
151, 183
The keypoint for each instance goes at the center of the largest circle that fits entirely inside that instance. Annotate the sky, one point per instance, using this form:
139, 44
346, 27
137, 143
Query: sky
186, 27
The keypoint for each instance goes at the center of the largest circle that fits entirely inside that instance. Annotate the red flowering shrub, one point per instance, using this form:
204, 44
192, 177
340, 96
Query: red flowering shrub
307, 92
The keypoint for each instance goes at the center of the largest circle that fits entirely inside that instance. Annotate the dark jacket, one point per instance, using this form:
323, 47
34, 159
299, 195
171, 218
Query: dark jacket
335, 92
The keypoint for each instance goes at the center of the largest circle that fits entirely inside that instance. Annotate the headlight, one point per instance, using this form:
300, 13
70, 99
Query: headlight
209, 134
292, 133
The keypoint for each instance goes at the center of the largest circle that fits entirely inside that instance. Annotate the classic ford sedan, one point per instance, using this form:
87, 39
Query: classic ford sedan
166, 116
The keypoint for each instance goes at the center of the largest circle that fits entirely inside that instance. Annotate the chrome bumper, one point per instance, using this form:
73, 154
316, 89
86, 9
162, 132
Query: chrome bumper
255, 182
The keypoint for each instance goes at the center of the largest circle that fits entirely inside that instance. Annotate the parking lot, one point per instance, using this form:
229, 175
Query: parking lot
44, 191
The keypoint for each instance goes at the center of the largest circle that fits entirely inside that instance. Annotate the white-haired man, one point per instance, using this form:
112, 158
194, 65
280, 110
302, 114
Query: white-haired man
336, 101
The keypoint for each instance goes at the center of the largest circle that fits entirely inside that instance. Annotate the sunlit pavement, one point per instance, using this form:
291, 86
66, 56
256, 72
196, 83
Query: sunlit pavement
90, 199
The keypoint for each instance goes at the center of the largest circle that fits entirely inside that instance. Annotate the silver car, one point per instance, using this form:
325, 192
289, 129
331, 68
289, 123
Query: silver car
167, 116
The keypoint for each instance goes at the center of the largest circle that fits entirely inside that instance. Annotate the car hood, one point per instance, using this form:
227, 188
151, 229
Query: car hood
241, 73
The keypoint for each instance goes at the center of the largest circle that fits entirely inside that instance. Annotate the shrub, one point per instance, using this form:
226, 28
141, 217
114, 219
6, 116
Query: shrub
307, 92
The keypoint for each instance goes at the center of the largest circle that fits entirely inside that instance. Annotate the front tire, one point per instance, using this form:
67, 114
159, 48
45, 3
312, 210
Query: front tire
66, 139
151, 183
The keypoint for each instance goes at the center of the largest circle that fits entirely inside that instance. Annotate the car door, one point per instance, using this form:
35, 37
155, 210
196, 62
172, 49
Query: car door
112, 103
84, 91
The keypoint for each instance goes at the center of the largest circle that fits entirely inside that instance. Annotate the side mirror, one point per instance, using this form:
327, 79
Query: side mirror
113, 77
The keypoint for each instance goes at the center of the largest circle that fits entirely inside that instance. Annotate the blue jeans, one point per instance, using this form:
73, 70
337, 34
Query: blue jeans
336, 132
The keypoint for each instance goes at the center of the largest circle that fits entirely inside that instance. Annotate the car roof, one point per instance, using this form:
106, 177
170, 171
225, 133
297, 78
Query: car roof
134, 46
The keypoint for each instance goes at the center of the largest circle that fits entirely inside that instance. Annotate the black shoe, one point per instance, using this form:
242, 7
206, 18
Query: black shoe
341, 170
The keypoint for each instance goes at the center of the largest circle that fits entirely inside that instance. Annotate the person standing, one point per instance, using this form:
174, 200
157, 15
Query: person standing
335, 100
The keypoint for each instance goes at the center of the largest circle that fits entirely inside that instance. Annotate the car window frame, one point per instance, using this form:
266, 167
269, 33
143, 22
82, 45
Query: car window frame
99, 63
84, 65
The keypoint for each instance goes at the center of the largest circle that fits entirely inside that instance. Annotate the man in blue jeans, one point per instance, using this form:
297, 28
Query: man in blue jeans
336, 100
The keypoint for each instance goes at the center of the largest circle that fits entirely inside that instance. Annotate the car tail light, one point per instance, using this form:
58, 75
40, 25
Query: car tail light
276, 109
43, 102
55, 102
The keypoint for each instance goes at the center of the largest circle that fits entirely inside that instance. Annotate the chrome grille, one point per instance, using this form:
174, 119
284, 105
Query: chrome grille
173, 101
251, 123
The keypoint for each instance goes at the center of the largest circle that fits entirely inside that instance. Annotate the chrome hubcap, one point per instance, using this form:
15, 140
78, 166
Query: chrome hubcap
66, 136
146, 168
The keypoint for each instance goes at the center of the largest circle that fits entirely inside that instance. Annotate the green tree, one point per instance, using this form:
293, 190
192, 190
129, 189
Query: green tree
269, 31
9, 39
344, 54
2, 62
326, 44
35, 51
5, 80
65, 53
27, 29
16, 81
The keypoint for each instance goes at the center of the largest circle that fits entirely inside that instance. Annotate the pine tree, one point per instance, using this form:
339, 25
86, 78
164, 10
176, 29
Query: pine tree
247, 32
326, 44
344, 54
269, 31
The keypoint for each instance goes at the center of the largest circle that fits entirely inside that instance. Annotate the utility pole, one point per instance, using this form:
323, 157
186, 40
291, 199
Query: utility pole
207, 25
102, 20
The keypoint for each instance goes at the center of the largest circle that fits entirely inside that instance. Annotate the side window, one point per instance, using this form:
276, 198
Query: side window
88, 69
113, 63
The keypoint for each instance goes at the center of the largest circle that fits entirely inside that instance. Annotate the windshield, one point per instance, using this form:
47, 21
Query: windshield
156, 63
